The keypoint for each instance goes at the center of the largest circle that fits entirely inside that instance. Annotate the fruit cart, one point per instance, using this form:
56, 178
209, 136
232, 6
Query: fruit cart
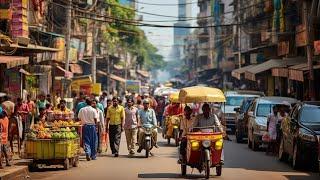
55, 143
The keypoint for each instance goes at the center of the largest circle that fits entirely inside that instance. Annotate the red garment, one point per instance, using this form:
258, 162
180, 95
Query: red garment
173, 110
23, 110
4, 123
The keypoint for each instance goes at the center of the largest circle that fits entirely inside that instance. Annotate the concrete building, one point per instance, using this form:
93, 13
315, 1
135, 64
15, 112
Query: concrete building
184, 12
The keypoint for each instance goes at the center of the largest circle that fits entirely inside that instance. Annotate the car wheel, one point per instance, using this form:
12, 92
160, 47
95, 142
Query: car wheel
296, 160
282, 156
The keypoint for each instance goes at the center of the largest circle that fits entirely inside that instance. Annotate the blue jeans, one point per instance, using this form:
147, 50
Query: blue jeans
90, 140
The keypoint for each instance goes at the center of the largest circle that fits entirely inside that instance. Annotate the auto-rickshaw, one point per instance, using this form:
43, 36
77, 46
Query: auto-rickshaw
172, 123
204, 148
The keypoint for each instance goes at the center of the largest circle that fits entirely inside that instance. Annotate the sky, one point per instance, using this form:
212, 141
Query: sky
162, 38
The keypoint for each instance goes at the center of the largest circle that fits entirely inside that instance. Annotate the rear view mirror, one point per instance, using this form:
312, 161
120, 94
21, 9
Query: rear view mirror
236, 109
250, 113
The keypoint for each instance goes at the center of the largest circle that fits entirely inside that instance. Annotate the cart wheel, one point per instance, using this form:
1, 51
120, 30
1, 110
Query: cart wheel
66, 164
76, 161
33, 167
219, 170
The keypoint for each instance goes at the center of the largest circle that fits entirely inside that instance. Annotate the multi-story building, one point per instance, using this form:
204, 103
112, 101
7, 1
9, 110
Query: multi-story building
184, 12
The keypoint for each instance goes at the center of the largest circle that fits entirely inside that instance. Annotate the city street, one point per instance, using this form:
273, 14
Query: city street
240, 163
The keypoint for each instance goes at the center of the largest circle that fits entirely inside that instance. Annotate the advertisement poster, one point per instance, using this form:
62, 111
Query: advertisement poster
133, 86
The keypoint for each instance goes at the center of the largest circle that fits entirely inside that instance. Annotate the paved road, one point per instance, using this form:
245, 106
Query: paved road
240, 163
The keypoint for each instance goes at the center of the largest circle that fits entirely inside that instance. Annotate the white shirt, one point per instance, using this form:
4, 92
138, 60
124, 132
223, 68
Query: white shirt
87, 115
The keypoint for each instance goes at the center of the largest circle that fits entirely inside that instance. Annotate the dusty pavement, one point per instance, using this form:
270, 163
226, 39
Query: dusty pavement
240, 163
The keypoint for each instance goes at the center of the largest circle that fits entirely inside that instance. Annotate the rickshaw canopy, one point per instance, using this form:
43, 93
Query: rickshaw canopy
199, 94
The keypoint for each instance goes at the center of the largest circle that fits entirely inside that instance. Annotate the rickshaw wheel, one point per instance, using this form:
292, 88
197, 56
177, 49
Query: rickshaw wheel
183, 169
207, 169
219, 170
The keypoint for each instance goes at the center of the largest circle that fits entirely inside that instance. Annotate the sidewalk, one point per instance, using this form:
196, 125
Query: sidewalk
18, 171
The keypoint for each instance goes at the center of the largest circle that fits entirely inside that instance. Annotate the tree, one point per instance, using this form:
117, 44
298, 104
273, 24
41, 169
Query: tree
125, 34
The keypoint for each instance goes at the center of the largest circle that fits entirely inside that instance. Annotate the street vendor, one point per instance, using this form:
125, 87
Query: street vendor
207, 119
62, 106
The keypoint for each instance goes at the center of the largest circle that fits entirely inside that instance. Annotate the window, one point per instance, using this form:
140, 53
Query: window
310, 114
234, 100
264, 110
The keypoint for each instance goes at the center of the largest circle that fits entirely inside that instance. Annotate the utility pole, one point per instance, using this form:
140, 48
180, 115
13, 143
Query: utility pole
308, 27
94, 53
239, 33
125, 70
68, 39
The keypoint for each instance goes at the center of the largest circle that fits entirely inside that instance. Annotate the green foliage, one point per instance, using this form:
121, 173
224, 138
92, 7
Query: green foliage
129, 37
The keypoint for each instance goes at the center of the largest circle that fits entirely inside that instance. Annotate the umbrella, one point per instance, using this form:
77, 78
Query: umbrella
201, 94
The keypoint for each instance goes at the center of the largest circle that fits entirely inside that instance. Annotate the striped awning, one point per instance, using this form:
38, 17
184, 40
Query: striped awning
13, 61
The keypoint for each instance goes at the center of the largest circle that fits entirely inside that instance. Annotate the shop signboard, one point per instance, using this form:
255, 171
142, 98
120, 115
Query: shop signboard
133, 86
283, 48
301, 36
317, 47
96, 88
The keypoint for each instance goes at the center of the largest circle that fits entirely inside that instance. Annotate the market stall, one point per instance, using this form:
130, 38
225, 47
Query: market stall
54, 142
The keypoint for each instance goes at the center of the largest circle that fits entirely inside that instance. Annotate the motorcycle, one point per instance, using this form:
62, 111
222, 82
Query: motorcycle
172, 129
204, 151
148, 141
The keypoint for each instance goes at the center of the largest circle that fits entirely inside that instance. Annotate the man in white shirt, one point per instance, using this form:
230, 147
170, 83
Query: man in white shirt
89, 119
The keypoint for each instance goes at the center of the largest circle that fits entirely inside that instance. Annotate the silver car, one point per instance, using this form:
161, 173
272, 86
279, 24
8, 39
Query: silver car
258, 113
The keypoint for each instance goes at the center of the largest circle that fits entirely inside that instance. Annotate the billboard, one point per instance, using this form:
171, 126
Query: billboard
133, 86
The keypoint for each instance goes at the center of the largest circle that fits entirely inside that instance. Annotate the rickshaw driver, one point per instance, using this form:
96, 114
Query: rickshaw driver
207, 119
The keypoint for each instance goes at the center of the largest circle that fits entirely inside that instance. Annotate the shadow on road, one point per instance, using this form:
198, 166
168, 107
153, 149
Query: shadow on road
301, 177
169, 176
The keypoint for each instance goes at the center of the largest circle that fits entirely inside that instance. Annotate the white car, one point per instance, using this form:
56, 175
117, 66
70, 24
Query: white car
258, 113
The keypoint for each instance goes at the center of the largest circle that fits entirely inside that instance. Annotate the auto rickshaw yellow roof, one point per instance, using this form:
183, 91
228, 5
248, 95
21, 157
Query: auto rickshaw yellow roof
198, 94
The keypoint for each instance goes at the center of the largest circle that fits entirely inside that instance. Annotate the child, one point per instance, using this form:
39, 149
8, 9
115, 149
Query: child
4, 148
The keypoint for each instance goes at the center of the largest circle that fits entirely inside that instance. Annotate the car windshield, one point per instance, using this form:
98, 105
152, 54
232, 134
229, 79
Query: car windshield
234, 100
310, 114
245, 105
264, 110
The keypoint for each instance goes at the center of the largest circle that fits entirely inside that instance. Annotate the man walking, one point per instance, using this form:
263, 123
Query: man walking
130, 125
115, 121
89, 117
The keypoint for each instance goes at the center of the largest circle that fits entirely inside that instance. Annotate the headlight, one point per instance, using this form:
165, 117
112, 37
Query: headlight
195, 145
206, 143
304, 135
219, 144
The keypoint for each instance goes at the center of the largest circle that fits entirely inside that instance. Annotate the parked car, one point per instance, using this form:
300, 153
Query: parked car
301, 135
234, 100
242, 119
258, 114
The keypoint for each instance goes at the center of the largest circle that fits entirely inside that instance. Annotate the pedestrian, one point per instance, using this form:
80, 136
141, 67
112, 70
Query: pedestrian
41, 103
32, 108
8, 106
160, 110
130, 126
139, 104
104, 99
101, 125
81, 104
272, 130
4, 129
89, 118
115, 121
185, 127
147, 118
23, 111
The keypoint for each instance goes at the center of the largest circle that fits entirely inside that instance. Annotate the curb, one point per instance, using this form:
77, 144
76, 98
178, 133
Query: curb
14, 172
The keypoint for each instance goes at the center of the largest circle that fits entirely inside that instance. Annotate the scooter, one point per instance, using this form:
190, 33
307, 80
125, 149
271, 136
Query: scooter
148, 141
